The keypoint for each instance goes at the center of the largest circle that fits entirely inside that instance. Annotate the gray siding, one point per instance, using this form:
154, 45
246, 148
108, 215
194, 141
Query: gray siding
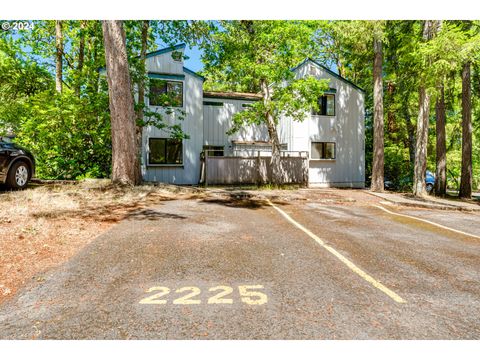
219, 119
346, 129
164, 63
192, 125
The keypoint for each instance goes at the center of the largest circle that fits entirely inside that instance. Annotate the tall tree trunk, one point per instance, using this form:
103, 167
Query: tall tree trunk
466, 178
430, 28
410, 132
441, 153
378, 145
122, 111
421, 145
141, 103
277, 169
58, 55
81, 56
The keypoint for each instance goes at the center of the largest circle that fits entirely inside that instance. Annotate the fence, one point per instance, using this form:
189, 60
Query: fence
230, 170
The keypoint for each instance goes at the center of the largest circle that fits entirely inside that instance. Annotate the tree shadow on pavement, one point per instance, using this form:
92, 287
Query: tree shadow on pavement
150, 214
241, 199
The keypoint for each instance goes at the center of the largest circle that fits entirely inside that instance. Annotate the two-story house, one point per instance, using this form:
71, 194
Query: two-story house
333, 137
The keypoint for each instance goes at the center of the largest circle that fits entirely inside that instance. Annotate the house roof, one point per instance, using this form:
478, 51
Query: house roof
231, 95
166, 50
170, 49
329, 72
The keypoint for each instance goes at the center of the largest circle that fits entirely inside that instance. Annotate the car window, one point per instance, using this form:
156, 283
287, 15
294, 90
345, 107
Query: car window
6, 145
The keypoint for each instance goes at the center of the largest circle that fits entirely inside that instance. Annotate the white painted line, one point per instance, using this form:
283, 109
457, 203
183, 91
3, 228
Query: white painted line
342, 258
428, 222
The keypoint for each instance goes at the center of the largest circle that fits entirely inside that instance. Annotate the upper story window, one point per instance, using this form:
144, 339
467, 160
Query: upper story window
166, 93
177, 56
326, 105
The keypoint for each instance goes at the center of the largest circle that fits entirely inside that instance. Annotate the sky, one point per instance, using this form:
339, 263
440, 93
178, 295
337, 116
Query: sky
193, 62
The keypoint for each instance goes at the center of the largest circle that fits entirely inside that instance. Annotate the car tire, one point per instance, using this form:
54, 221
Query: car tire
429, 188
18, 175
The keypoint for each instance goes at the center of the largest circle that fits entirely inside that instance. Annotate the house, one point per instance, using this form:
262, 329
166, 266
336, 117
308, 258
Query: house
333, 137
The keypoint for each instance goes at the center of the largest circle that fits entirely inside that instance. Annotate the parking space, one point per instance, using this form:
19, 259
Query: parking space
218, 268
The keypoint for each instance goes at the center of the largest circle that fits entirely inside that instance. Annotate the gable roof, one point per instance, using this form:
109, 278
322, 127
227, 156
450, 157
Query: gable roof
329, 72
170, 49
166, 50
191, 72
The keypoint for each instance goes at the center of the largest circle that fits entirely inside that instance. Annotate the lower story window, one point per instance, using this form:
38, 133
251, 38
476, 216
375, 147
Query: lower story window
214, 150
322, 150
164, 151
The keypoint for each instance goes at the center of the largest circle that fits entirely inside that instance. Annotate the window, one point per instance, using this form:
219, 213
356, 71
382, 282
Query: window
165, 93
165, 151
214, 150
177, 56
212, 103
322, 150
326, 105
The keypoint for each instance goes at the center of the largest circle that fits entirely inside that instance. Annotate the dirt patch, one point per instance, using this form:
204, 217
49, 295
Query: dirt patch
44, 226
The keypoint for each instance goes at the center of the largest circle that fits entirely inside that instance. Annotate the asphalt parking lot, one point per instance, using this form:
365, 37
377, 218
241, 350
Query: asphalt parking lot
220, 268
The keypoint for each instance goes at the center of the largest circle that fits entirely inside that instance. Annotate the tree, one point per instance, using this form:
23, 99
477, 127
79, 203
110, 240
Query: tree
81, 55
467, 129
141, 100
378, 151
257, 56
59, 55
441, 148
121, 103
430, 28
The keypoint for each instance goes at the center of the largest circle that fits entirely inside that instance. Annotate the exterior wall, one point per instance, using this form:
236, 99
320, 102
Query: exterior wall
346, 129
217, 120
164, 63
208, 125
192, 125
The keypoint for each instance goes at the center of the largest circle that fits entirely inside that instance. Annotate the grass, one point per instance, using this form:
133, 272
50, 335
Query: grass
43, 226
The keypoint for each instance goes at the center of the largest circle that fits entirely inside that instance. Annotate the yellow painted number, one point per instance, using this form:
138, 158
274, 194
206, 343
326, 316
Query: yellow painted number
187, 299
218, 298
252, 297
154, 299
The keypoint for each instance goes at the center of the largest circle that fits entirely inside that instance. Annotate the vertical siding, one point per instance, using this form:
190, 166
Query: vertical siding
219, 119
192, 125
164, 63
346, 129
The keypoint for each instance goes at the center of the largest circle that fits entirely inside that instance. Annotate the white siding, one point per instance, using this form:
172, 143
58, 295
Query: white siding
346, 129
164, 63
192, 125
208, 125
219, 119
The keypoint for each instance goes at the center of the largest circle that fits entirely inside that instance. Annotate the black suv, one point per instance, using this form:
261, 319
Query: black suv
17, 165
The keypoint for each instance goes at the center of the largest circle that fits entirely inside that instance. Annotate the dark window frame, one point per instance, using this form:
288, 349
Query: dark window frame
323, 107
324, 146
166, 163
166, 82
213, 103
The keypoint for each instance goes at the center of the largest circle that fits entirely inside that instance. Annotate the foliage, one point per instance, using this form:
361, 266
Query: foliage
69, 133
242, 55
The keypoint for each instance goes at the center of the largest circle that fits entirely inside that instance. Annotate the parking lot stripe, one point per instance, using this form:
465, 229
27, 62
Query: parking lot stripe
428, 222
342, 258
